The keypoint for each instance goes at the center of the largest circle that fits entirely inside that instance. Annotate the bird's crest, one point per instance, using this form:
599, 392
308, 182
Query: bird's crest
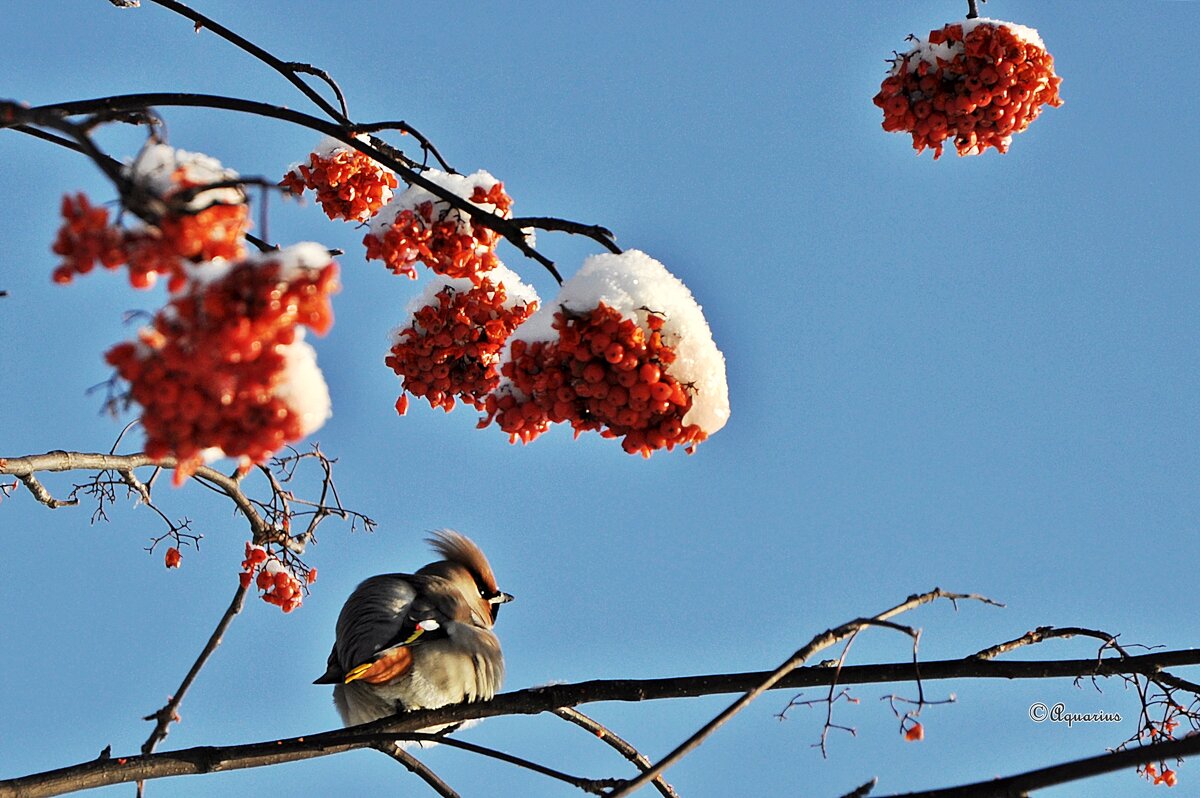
460, 549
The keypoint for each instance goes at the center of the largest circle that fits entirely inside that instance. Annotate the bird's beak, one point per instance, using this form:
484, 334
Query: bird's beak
500, 598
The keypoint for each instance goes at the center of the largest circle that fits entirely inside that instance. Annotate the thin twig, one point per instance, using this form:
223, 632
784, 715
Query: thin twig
288, 69
170, 712
1022, 784
818, 643
617, 743
418, 767
57, 461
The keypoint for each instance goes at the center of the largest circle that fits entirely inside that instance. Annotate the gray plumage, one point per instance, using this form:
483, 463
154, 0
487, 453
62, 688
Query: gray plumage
450, 606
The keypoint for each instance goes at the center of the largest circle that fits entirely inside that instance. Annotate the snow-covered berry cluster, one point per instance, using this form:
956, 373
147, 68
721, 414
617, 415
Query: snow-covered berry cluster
192, 224
451, 346
624, 350
977, 82
349, 185
224, 366
279, 583
418, 226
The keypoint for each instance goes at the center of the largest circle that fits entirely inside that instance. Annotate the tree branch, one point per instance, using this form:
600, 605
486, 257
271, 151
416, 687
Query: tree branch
288, 69
417, 767
167, 714
15, 115
58, 460
97, 773
818, 643
618, 744
1023, 783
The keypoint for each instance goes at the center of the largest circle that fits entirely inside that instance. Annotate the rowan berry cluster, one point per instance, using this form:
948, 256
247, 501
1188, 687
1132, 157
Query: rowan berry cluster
348, 184
417, 226
604, 372
977, 82
452, 347
85, 239
214, 369
173, 558
278, 582
192, 224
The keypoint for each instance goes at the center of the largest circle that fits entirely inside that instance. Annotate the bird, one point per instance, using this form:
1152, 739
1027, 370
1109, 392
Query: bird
419, 641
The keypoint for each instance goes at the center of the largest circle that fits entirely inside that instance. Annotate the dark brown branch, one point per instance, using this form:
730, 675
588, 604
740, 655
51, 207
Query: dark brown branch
594, 786
416, 767
50, 116
536, 700
113, 163
617, 743
1024, 783
600, 235
288, 69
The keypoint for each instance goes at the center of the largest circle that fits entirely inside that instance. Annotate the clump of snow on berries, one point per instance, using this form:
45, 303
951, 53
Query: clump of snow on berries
624, 349
419, 226
639, 287
450, 349
160, 170
224, 365
349, 185
302, 387
978, 81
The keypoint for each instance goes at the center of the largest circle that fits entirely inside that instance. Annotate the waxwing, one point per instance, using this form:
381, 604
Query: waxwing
419, 641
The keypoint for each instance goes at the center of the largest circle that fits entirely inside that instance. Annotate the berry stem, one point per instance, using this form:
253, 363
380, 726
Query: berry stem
973, 9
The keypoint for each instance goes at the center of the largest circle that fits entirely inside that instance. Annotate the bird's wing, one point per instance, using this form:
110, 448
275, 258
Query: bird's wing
383, 617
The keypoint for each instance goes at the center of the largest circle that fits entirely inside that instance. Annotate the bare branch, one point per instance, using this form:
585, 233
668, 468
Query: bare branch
818, 643
536, 700
163, 717
42, 495
618, 744
418, 767
1024, 783
58, 461
289, 69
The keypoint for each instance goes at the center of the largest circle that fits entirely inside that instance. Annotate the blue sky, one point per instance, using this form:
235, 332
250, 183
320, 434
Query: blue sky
978, 373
